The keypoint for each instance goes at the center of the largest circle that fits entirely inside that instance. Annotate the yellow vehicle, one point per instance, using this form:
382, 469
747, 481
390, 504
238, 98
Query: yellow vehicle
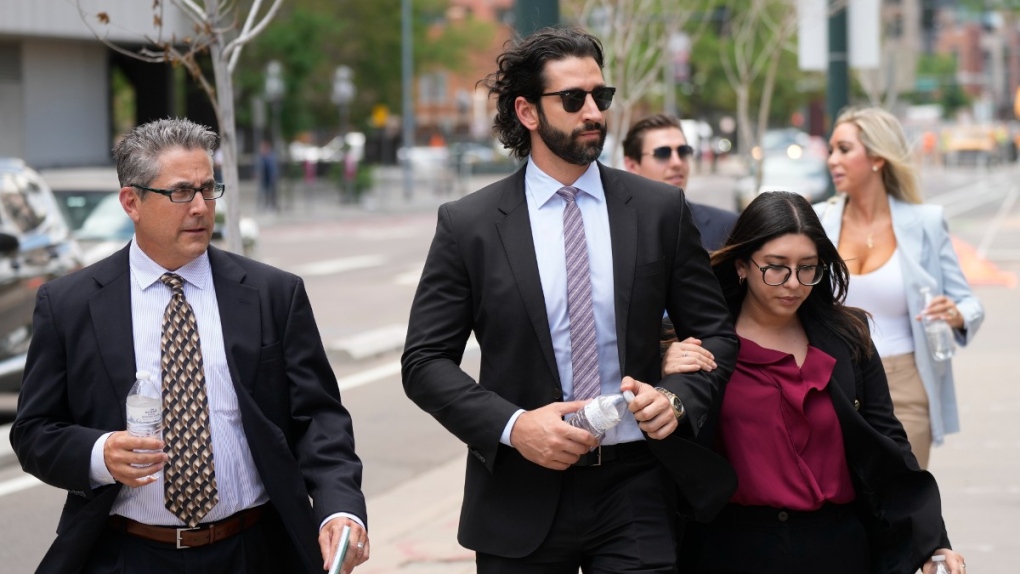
971, 144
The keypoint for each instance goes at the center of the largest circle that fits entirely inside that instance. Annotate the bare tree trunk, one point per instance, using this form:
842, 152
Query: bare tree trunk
228, 135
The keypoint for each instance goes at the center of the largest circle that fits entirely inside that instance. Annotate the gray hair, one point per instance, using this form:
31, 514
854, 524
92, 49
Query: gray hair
137, 154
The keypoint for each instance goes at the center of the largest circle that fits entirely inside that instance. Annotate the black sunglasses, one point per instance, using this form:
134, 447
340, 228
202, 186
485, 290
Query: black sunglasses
573, 99
662, 153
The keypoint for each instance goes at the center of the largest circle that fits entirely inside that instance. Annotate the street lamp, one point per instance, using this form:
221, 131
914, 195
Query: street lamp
343, 95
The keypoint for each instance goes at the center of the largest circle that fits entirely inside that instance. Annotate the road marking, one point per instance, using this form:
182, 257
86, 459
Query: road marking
993, 228
385, 371
18, 484
411, 277
333, 266
370, 343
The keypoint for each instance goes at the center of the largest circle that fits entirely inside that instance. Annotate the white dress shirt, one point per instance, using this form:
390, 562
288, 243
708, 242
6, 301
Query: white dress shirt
237, 481
545, 210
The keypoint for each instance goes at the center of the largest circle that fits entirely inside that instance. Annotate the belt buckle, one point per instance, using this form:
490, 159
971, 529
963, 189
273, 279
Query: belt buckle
179, 531
598, 458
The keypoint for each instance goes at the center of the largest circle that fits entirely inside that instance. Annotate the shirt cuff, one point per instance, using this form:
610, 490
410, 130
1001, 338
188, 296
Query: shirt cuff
505, 438
360, 522
99, 475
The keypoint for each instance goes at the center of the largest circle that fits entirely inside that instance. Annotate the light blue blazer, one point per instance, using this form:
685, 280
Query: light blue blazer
928, 260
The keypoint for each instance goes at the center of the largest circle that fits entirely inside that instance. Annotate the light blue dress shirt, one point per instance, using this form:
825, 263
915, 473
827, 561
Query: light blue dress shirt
545, 210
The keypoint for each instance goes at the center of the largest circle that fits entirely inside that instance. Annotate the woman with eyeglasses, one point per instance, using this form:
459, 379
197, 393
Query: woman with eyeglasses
826, 479
894, 245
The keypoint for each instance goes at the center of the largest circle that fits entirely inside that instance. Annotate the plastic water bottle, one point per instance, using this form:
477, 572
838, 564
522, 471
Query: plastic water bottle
144, 409
939, 563
601, 414
937, 331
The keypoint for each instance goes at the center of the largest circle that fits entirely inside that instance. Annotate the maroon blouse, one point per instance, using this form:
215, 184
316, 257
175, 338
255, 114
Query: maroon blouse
779, 430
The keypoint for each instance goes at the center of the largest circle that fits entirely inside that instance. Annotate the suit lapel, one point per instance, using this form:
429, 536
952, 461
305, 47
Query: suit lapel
623, 236
515, 233
110, 310
240, 318
909, 232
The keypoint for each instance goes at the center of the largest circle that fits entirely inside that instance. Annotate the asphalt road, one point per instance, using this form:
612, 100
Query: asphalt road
361, 272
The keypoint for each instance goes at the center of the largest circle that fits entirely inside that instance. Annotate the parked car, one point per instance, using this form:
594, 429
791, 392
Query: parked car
89, 198
807, 175
35, 246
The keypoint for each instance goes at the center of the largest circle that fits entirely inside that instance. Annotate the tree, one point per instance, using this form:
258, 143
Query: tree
635, 35
216, 37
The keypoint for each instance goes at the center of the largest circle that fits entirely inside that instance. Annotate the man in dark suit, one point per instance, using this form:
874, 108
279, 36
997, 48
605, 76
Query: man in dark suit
253, 424
655, 147
563, 271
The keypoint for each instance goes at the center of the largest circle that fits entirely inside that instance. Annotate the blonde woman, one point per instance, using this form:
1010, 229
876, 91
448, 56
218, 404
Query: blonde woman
893, 246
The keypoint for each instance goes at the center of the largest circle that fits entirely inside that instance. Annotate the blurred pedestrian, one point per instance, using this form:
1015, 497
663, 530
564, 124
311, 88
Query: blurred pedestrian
270, 176
826, 479
255, 471
655, 147
894, 245
540, 495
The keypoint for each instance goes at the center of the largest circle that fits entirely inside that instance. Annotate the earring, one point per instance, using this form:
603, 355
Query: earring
874, 168
740, 279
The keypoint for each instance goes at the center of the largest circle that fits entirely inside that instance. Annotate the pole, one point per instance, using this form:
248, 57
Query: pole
837, 92
533, 15
407, 73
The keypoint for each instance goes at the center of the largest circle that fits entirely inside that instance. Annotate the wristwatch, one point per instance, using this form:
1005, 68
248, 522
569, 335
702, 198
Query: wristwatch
674, 402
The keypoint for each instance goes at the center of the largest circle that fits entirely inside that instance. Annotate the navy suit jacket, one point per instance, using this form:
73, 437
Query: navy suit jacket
715, 224
81, 365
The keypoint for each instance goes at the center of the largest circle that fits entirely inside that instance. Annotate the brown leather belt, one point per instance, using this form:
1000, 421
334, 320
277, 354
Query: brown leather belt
201, 535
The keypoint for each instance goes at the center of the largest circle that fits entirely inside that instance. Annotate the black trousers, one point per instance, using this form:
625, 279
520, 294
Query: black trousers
610, 519
764, 540
265, 548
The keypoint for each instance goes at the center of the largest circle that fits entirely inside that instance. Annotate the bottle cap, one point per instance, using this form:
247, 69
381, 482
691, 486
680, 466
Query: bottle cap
142, 375
938, 558
628, 396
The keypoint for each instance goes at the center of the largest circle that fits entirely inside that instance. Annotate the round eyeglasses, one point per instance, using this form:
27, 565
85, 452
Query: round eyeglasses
776, 275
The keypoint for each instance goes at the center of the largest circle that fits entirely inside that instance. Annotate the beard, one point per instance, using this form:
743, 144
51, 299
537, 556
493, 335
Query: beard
566, 146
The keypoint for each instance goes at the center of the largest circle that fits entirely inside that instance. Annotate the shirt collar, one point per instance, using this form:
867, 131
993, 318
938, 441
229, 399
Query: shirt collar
543, 187
147, 272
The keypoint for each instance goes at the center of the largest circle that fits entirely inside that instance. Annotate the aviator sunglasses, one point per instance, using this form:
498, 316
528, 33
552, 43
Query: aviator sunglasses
573, 99
662, 153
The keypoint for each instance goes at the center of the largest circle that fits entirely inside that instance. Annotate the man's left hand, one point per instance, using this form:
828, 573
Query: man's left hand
357, 545
651, 409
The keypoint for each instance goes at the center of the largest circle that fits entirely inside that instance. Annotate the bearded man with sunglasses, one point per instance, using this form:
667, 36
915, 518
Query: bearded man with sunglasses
655, 147
254, 469
562, 272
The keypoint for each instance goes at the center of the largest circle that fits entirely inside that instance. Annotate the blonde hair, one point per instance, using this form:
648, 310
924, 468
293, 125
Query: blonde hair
883, 137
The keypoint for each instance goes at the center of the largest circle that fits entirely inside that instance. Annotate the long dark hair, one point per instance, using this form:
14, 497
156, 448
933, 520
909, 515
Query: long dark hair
777, 213
521, 72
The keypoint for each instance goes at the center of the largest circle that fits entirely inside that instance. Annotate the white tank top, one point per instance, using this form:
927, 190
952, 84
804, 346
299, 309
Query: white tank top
883, 294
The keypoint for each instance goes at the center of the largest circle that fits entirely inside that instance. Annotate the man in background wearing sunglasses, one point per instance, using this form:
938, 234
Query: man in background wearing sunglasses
562, 272
655, 147
252, 466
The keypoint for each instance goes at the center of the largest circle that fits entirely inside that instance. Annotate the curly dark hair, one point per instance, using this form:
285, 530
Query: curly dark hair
521, 72
777, 213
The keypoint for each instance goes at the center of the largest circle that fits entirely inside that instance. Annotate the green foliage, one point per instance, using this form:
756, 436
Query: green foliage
936, 76
312, 37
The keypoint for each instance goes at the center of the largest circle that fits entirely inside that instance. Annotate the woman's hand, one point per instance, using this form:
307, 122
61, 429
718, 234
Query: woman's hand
687, 356
942, 307
954, 562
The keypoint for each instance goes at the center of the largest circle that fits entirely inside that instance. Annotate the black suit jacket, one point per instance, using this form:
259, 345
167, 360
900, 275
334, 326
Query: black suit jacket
81, 365
482, 276
714, 224
899, 503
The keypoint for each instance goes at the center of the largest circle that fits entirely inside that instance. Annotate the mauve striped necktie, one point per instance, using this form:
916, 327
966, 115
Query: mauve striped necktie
583, 352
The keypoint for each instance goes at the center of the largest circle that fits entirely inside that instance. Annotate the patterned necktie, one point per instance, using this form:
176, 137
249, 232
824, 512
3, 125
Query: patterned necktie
583, 353
189, 480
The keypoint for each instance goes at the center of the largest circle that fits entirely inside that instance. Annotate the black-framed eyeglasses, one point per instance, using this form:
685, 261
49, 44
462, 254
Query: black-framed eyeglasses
187, 194
663, 153
573, 99
776, 275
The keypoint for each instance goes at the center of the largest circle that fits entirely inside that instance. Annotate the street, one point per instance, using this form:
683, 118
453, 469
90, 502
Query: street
361, 270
